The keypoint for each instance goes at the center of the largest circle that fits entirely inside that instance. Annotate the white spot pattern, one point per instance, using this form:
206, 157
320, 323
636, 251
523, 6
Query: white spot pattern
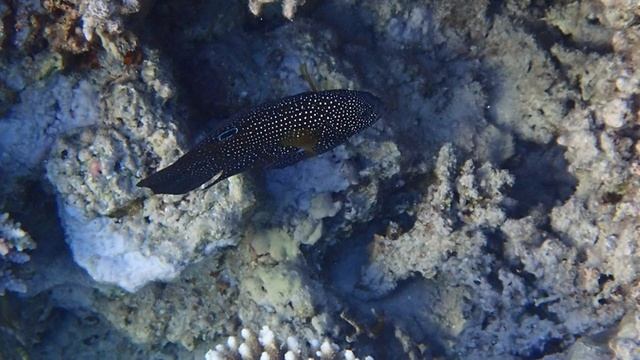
330, 116
259, 136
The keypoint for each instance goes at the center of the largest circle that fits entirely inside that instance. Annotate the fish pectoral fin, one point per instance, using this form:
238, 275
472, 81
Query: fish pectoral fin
215, 179
303, 139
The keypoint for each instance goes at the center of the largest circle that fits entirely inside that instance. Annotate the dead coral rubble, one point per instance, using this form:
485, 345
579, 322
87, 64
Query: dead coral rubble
461, 205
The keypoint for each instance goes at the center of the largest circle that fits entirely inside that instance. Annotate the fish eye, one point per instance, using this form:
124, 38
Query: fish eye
227, 134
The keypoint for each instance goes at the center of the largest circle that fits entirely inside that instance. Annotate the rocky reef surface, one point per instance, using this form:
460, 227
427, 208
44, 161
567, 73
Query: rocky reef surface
493, 211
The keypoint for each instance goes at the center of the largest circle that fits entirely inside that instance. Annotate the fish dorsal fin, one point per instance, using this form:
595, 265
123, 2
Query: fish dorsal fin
303, 139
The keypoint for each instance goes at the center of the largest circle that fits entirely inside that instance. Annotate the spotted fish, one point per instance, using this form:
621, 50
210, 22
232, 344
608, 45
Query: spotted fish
273, 135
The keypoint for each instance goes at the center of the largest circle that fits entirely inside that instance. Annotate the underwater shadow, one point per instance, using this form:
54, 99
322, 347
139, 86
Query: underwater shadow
542, 178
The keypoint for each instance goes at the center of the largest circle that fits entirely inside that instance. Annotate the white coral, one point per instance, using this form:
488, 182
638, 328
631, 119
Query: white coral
104, 16
289, 7
13, 243
265, 345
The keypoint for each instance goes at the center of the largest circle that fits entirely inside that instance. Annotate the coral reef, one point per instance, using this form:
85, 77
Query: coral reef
40, 102
207, 308
451, 222
493, 212
14, 244
112, 227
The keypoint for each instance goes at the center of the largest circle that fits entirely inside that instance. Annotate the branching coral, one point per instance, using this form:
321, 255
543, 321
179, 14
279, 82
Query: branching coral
265, 346
289, 7
14, 243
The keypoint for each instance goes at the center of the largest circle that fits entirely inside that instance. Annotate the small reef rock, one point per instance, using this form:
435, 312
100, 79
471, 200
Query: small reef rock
118, 233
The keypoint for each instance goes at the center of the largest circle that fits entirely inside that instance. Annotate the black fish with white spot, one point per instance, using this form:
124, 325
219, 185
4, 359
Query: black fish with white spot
272, 135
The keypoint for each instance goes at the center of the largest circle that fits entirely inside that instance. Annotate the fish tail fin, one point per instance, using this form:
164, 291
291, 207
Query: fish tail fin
193, 169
